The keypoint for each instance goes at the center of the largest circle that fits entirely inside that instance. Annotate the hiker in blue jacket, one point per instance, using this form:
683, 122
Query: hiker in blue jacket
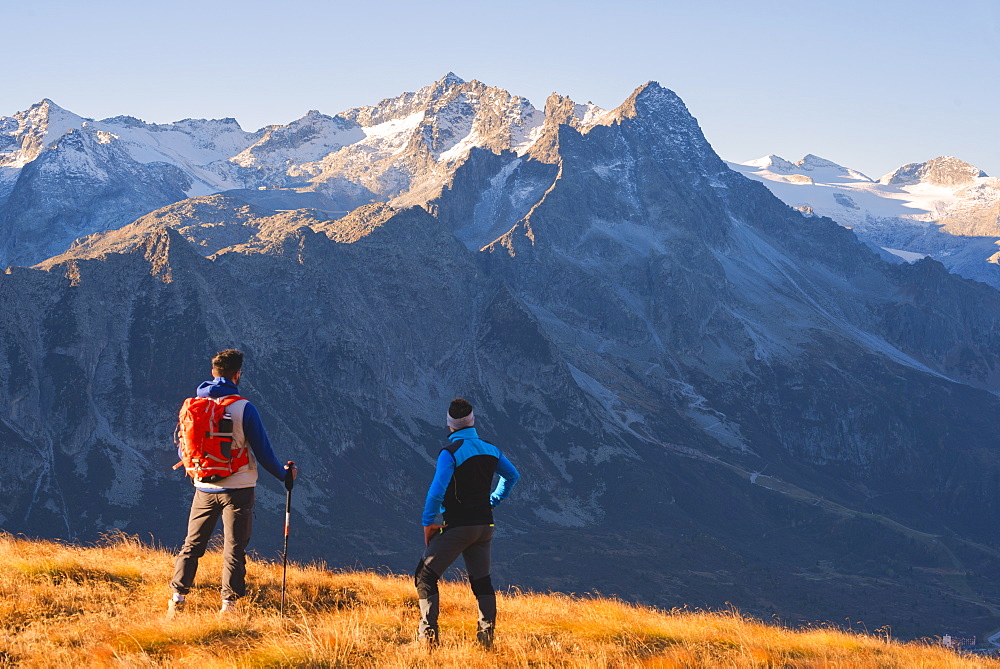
461, 490
232, 497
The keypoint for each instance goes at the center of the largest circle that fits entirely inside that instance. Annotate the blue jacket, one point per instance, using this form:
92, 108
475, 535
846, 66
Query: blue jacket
461, 486
253, 428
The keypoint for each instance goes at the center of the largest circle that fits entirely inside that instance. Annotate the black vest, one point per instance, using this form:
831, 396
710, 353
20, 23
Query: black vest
467, 499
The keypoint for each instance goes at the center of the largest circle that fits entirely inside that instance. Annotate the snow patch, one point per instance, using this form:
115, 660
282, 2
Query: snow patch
192, 151
908, 256
527, 132
390, 130
461, 148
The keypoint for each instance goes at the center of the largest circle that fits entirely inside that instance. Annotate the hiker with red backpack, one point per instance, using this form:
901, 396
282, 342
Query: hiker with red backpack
221, 442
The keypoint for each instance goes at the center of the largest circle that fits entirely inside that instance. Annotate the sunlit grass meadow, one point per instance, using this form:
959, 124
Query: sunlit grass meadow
64, 606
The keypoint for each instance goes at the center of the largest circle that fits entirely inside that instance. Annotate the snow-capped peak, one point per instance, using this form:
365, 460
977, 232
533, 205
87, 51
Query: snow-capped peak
450, 79
811, 162
772, 163
811, 169
821, 169
945, 171
26, 133
50, 116
307, 139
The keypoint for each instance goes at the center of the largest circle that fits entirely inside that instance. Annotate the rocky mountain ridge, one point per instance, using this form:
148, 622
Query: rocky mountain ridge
712, 397
403, 150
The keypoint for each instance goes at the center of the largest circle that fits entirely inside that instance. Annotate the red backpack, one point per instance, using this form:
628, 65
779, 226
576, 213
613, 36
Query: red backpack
205, 439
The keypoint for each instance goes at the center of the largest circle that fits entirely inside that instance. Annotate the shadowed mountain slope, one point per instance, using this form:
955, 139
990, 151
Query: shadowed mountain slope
712, 397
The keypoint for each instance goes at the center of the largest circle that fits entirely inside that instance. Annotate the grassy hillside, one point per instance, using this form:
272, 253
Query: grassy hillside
64, 605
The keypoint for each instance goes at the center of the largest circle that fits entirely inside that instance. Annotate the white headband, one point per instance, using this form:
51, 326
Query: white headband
464, 421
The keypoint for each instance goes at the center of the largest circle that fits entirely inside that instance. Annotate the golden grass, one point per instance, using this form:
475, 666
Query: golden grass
104, 606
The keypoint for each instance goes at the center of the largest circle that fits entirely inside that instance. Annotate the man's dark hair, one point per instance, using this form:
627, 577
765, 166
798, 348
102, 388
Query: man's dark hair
227, 363
460, 408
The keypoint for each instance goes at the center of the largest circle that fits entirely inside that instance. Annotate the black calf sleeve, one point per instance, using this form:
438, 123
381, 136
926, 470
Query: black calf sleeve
482, 587
426, 580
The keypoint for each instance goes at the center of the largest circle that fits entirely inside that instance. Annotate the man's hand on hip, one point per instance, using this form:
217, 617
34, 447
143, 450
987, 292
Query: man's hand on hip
430, 531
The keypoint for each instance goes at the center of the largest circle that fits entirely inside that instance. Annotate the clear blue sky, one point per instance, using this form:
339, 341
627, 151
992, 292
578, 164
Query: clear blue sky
869, 84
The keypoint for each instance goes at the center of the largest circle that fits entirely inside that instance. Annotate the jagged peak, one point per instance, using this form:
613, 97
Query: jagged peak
653, 89
47, 109
556, 101
41, 125
558, 105
450, 79
48, 106
432, 92
444, 86
661, 114
402, 105
559, 110
653, 100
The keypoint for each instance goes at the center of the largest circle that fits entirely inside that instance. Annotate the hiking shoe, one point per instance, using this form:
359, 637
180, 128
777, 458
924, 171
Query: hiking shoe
228, 607
485, 639
175, 606
429, 639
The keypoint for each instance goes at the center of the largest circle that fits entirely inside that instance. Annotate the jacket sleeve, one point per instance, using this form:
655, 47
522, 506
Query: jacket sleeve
256, 435
508, 477
435, 494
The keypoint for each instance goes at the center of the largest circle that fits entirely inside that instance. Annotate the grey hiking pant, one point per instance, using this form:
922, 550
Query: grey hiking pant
472, 542
236, 509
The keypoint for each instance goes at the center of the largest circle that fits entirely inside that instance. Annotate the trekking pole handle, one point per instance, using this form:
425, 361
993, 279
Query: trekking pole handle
290, 476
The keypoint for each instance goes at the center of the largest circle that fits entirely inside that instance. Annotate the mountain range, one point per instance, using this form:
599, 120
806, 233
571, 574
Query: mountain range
713, 397
63, 176
944, 208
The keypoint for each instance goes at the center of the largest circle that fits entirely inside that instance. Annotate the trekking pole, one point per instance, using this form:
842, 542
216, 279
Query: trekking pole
289, 483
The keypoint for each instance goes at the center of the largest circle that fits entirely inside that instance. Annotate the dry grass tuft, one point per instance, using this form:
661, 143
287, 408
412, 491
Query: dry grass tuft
104, 606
